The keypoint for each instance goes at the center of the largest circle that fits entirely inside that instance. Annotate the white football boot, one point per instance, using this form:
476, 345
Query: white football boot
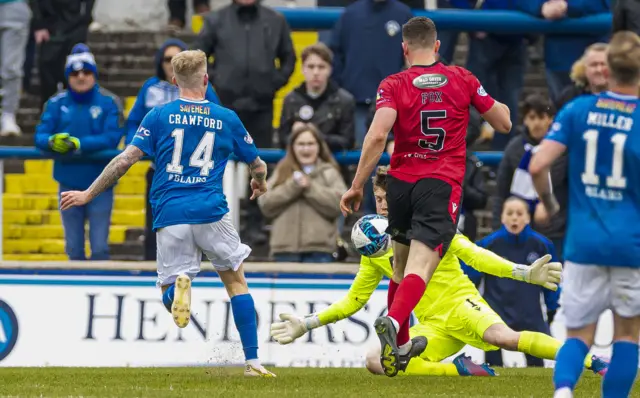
252, 370
181, 307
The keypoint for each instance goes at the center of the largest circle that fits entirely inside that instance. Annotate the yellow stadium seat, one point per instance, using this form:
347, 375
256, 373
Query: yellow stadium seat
35, 257
38, 167
117, 233
129, 202
128, 104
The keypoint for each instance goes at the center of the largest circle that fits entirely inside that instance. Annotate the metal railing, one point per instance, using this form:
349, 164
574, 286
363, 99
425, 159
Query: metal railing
234, 181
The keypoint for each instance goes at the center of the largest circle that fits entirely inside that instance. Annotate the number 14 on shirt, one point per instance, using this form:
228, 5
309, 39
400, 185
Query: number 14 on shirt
200, 158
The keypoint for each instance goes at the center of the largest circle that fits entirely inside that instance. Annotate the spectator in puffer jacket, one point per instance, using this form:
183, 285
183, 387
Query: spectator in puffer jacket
513, 177
157, 90
85, 118
517, 303
561, 51
303, 200
587, 74
474, 194
320, 101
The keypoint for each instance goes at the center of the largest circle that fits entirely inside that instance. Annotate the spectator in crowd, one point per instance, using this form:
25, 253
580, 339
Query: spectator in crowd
367, 52
474, 195
58, 25
303, 200
499, 61
513, 177
178, 12
626, 15
246, 39
320, 101
157, 90
517, 303
14, 34
84, 118
561, 51
448, 38
587, 74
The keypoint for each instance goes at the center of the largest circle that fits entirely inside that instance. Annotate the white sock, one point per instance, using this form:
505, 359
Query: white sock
405, 348
564, 392
254, 363
395, 324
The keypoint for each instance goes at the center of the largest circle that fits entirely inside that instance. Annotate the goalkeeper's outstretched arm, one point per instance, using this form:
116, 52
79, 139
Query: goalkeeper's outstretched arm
365, 283
541, 272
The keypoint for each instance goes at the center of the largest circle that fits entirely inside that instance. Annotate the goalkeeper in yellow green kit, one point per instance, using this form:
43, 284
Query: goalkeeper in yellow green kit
451, 313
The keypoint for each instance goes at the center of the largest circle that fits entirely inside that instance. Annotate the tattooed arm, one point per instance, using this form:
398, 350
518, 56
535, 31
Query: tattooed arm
110, 175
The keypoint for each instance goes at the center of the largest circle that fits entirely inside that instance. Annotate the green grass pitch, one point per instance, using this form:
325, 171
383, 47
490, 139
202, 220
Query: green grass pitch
291, 382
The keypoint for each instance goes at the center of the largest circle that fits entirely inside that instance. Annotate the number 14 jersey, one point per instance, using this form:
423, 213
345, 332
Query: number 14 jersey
602, 136
433, 113
191, 142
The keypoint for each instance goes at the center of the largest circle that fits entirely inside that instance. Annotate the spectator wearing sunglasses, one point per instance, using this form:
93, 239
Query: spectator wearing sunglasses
84, 118
157, 90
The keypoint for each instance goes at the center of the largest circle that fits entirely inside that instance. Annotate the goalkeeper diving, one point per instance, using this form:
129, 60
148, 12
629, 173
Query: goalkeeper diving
451, 314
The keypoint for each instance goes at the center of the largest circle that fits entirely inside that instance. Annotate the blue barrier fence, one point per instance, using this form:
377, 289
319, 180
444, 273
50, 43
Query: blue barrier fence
268, 155
464, 20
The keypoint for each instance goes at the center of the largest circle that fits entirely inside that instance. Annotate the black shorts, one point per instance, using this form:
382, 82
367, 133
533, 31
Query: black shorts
426, 211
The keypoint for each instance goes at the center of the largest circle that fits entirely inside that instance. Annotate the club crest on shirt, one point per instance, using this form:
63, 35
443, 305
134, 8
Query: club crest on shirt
532, 257
430, 80
248, 139
392, 28
95, 111
305, 112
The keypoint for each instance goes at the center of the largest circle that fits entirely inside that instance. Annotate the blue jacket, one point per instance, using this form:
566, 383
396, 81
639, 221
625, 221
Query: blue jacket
157, 91
561, 51
367, 46
97, 123
518, 303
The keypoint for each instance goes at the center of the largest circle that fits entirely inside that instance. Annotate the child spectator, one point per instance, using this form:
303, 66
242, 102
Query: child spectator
513, 173
303, 200
517, 303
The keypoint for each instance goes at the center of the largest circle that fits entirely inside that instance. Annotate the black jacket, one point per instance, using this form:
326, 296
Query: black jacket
510, 160
626, 16
62, 18
474, 194
569, 93
245, 42
332, 113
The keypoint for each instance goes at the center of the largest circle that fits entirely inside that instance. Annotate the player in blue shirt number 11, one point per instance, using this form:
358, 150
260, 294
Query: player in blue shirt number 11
601, 135
191, 140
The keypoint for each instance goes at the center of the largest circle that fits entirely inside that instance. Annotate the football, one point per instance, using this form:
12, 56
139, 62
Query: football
369, 237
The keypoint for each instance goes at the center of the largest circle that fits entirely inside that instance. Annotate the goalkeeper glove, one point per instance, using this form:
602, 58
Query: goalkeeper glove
74, 143
293, 327
58, 143
541, 272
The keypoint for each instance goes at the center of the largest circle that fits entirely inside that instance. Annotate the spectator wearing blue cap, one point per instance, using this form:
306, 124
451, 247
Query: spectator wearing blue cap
84, 118
157, 90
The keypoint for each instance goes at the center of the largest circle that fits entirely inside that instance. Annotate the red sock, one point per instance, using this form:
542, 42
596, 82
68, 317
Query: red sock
403, 333
391, 293
407, 297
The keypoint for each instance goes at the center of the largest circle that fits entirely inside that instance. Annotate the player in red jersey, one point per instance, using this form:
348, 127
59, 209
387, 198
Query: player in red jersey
427, 106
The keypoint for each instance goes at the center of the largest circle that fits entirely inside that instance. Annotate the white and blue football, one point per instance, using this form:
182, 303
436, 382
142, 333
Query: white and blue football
369, 237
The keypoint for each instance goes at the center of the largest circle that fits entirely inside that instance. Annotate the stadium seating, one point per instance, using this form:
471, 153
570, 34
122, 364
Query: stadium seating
126, 60
32, 226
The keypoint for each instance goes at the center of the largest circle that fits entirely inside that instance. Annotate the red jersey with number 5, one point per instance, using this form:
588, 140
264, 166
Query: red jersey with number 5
431, 127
